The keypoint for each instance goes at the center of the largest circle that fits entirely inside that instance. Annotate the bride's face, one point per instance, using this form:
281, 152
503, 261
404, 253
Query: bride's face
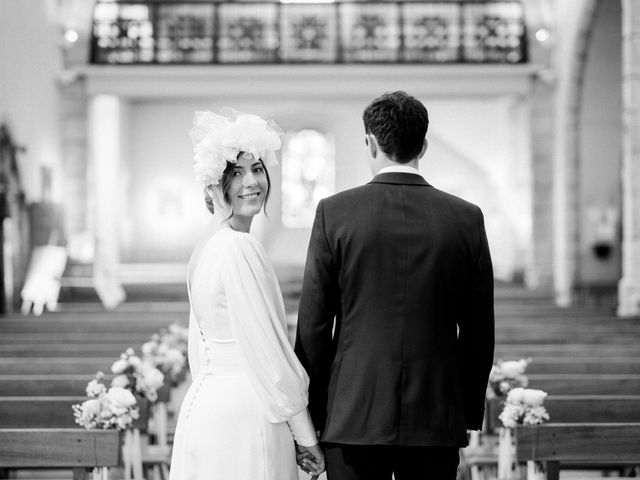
249, 186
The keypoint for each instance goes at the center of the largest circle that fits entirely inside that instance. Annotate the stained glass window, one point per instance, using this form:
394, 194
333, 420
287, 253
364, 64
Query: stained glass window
248, 32
370, 32
431, 32
122, 33
185, 33
494, 32
308, 175
309, 33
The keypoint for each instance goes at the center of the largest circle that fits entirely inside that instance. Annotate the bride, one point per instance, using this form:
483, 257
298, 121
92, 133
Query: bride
247, 403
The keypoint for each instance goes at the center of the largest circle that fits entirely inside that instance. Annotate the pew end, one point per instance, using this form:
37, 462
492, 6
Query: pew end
52, 448
579, 444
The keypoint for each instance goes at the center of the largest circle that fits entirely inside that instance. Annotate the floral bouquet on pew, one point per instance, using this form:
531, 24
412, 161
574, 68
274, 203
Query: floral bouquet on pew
524, 406
506, 376
139, 377
176, 336
166, 357
113, 408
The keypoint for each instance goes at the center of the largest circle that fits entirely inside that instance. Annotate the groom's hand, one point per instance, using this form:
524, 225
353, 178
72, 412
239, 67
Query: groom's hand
310, 460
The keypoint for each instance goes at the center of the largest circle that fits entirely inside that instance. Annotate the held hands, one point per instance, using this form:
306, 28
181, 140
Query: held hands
310, 460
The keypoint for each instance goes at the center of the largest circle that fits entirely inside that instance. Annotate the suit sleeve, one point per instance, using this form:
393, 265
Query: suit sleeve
319, 303
477, 333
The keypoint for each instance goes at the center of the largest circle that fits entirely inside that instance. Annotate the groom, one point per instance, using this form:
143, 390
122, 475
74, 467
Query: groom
396, 323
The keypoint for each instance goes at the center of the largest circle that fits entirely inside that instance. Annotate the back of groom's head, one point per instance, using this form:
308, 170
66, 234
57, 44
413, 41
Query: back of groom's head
399, 122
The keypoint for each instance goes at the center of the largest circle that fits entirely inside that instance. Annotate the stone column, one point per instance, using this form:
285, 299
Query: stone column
629, 287
107, 143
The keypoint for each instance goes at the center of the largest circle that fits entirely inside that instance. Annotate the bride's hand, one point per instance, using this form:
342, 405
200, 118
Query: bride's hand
311, 460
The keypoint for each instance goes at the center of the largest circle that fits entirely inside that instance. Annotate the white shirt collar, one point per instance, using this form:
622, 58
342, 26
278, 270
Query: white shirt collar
400, 169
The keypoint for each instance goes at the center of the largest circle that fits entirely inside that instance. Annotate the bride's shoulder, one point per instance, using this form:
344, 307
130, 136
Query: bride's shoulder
229, 240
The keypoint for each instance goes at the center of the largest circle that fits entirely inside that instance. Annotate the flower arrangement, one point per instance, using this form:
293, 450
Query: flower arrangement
176, 336
141, 378
505, 376
524, 406
165, 357
113, 408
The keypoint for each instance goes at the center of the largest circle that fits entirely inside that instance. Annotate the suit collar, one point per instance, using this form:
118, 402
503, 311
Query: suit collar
400, 178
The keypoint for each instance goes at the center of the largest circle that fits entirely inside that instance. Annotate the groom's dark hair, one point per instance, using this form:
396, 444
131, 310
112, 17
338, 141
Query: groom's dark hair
399, 122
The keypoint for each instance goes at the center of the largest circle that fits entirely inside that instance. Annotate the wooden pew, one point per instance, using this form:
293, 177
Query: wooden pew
44, 385
607, 444
76, 449
58, 365
133, 340
88, 349
38, 412
585, 384
573, 365
580, 409
542, 335
579, 350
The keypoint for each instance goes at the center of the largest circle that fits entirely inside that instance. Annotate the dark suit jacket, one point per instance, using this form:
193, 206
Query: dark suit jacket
399, 265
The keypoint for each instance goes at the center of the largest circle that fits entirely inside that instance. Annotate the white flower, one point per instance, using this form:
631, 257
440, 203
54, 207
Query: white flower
513, 368
148, 348
119, 366
95, 388
510, 415
121, 398
516, 395
129, 351
124, 421
120, 381
91, 408
135, 362
153, 378
534, 398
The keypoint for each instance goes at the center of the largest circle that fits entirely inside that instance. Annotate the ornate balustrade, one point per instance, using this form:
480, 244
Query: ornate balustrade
444, 32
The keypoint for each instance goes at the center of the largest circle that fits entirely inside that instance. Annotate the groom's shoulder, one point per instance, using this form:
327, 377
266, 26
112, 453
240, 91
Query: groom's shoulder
454, 201
346, 196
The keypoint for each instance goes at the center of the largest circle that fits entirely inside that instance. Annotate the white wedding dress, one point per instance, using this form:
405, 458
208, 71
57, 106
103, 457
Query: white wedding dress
249, 393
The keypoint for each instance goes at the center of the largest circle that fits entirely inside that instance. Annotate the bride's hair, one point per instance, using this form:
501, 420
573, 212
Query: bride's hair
225, 182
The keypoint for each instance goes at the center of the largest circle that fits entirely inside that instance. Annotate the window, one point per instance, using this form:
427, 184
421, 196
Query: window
308, 175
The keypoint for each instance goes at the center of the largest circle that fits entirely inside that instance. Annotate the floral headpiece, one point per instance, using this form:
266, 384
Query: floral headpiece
219, 138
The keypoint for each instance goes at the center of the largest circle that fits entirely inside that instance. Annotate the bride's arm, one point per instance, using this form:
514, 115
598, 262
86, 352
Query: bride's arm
256, 312
302, 429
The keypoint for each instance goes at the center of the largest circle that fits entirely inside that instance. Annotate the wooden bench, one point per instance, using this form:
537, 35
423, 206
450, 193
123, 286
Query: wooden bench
58, 365
76, 449
572, 365
585, 384
134, 340
607, 444
38, 412
580, 409
549, 336
579, 350
89, 349
44, 385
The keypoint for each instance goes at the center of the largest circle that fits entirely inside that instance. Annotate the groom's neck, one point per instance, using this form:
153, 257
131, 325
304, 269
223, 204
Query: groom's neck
387, 162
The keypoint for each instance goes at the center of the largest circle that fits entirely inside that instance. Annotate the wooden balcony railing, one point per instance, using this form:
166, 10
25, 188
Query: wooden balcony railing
202, 32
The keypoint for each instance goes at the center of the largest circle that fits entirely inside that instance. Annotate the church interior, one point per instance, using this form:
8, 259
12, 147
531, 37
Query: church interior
534, 109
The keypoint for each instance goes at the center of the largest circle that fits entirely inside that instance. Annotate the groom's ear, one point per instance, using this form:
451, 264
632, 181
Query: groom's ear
372, 143
424, 148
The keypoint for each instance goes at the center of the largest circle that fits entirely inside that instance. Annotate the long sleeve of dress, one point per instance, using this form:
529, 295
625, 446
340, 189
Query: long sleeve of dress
257, 317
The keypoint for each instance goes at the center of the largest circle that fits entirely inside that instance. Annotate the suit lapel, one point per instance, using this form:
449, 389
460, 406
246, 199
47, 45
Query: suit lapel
400, 178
